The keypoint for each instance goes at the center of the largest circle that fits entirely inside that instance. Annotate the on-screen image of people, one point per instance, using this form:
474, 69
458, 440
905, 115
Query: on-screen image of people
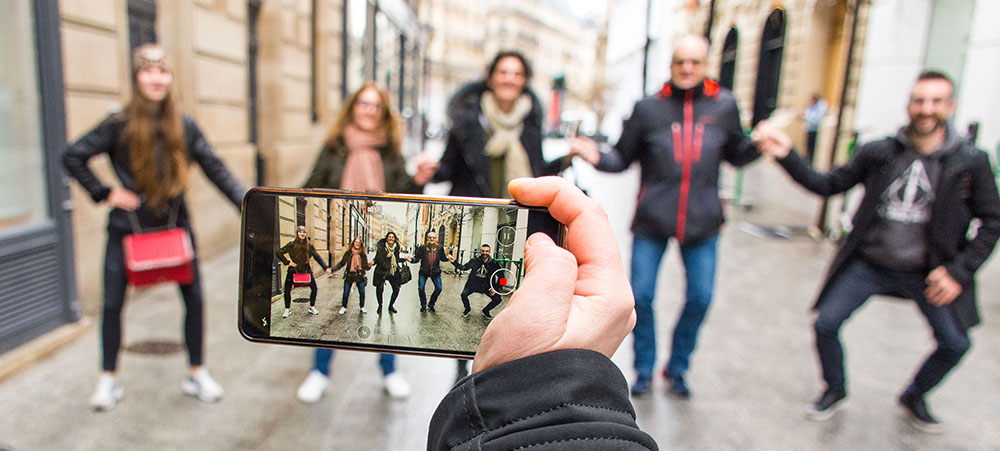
429, 255
297, 254
387, 269
679, 136
355, 260
922, 189
483, 271
362, 152
151, 146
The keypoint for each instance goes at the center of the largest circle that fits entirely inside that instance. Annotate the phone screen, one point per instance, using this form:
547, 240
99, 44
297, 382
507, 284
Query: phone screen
469, 251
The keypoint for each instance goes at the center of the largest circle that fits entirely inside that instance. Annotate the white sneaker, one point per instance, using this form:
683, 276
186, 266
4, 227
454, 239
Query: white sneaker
313, 311
288, 312
107, 394
364, 310
313, 387
342, 311
202, 386
396, 385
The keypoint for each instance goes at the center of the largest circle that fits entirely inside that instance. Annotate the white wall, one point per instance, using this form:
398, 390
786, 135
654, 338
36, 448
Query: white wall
979, 99
894, 56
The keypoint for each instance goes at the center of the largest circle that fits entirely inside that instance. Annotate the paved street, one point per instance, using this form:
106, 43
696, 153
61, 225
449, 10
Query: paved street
752, 376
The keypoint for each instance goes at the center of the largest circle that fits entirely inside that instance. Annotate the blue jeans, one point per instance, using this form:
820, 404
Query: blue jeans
324, 355
851, 287
421, 284
699, 270
347, 293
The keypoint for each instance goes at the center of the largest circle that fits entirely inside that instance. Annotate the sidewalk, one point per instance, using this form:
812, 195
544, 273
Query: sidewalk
753, 374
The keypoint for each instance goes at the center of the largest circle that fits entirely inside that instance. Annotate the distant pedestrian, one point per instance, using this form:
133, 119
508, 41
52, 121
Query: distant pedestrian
813, 117
151, 146
923, 188
679, 136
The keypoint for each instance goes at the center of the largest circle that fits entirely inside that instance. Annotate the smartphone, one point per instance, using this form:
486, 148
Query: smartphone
473, 248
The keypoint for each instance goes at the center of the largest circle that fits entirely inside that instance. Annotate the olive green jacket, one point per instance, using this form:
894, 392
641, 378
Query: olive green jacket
329, 170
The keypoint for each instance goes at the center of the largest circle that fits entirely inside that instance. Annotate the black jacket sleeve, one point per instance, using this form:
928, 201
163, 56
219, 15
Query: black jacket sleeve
629, 144
566, 400
316, 256
99, 140
834, 182
283, 252
210, 164
739, 149
984, 203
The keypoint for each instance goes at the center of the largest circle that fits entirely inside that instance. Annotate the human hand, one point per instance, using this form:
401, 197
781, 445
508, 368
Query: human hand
426, 167
941, 287
292, 264
771, 140
451, 258
572, 298
586, 149
492, 292
328, 271
123, 198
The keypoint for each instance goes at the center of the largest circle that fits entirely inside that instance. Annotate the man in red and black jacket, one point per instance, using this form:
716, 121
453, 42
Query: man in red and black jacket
679, 137
429, 256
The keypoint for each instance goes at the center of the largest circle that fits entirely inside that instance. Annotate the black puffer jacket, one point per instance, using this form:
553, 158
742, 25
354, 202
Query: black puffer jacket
107, 138
679, 138
571, 399
464, 162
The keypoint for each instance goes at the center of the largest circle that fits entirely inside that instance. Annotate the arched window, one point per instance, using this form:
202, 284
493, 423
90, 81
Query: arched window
772, 43
727, 69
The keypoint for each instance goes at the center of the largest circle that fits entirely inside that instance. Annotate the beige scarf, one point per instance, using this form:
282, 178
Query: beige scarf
363, 169
505, 140
392, 257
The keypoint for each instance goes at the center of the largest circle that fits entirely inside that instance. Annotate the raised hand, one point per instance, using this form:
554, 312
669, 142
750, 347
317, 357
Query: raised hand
123, 198
586, 149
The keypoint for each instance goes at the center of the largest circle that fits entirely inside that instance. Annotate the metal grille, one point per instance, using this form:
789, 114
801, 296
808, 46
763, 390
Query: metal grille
30, 292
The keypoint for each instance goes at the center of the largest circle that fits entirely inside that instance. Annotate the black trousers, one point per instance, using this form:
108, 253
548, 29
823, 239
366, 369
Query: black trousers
379, 288
115, 284
495, 299
811, 145
289, 283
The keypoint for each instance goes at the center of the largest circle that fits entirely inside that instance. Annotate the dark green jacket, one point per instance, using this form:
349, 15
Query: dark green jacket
329, 170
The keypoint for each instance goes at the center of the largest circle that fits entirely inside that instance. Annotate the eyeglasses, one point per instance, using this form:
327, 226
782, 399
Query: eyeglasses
369, 105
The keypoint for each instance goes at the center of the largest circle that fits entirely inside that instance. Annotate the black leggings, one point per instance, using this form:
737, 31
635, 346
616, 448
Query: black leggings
288, 288
379, 284
115, 284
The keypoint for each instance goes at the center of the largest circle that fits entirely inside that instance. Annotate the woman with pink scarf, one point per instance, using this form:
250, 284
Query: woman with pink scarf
356, 260
362, 153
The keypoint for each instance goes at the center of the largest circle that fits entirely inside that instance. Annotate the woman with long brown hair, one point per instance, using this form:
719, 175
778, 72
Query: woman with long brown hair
297, 254
362, 152
356, 260
151, 146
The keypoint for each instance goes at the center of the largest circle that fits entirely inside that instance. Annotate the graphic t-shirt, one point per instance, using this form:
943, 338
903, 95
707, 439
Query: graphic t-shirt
898, 239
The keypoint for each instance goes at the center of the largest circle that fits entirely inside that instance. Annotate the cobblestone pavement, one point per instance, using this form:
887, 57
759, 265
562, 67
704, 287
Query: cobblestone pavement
752, 375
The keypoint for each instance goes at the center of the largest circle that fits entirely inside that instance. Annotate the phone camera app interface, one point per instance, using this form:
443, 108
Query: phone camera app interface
399, 274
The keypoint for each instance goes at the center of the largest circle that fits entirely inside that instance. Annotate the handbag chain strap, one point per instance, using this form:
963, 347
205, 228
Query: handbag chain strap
171, 221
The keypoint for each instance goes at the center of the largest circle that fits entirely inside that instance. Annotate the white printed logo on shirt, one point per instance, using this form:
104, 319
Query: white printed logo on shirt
909, 197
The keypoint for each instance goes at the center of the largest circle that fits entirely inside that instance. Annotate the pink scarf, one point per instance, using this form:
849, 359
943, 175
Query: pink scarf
363, 170
355, 260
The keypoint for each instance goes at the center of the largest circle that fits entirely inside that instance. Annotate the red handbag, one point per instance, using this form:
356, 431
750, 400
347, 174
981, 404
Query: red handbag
156, 257
301, 279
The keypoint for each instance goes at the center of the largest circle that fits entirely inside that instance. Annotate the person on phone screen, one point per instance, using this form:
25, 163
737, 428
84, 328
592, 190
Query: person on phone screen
551, 384
151, 146
362, 152
296, 254
483, 271
387, 263
356, 260
429, 256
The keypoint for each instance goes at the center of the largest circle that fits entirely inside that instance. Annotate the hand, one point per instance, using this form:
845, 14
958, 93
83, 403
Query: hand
586, 149
426, 167
771, 140
408, 259
123, 198
451, 258
941, 287
328, 271
581, 292
293, 265
492, 292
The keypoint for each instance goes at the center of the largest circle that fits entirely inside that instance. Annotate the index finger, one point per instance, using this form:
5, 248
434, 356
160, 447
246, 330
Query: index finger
585, 220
